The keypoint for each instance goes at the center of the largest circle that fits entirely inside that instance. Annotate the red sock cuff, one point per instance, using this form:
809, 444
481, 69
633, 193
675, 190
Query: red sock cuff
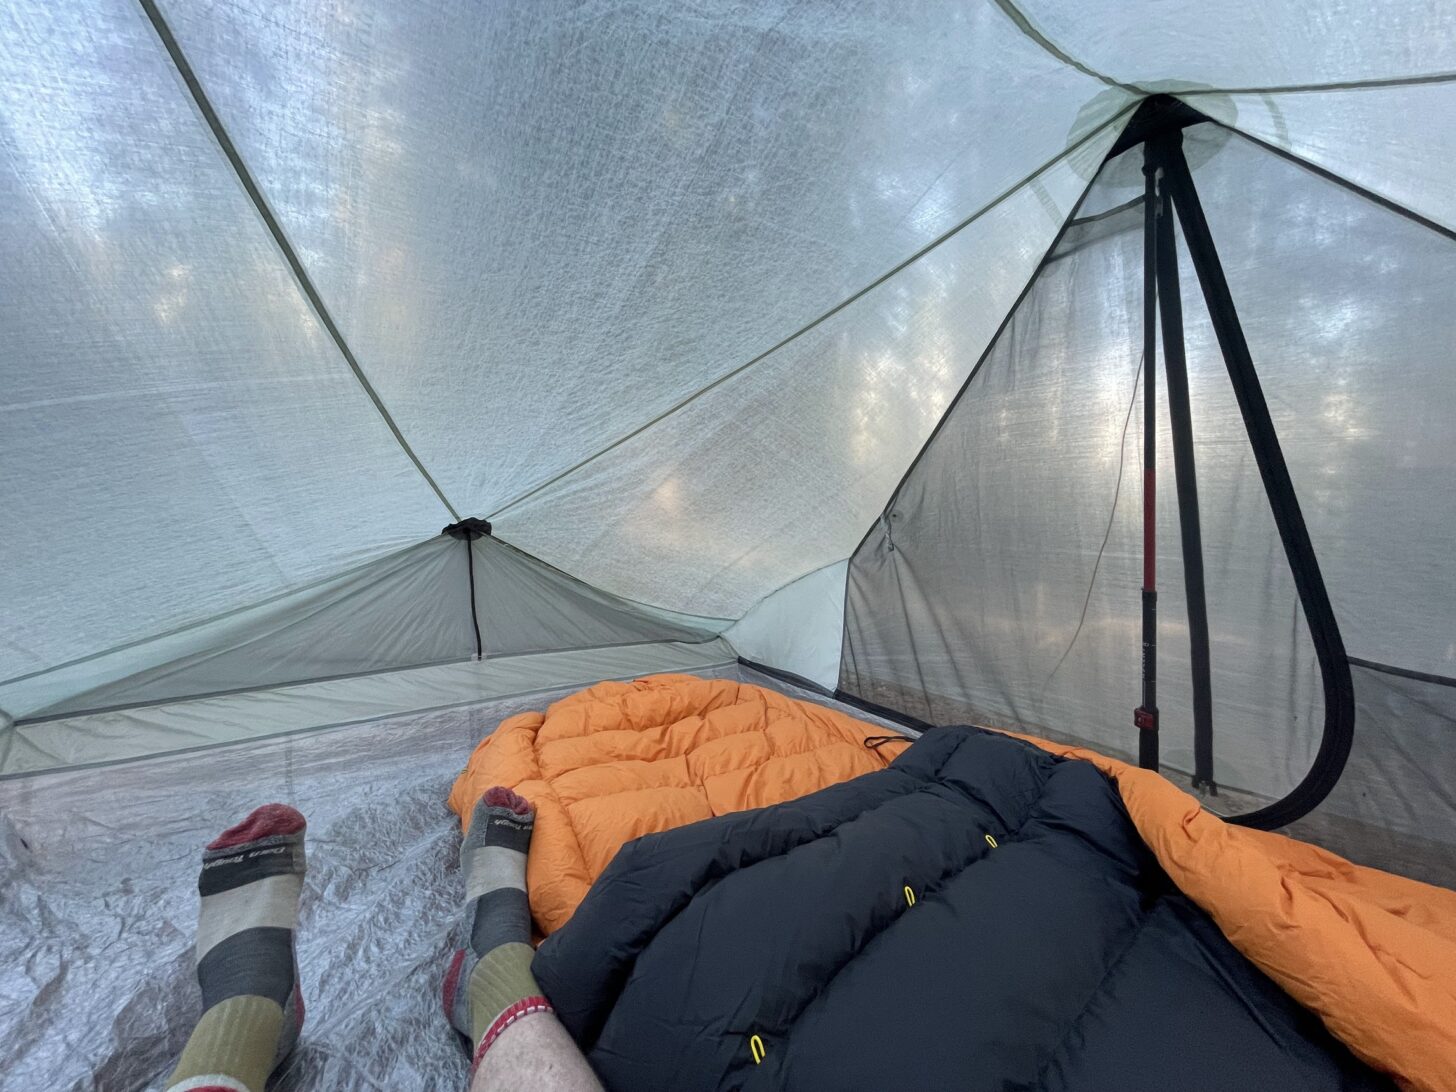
498, 796
264, 822
524, 1007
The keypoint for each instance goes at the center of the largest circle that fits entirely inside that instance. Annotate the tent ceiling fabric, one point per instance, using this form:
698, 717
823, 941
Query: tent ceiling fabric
1175, 45
177, 434
1405, 152
846, 407
569, 218
581, 252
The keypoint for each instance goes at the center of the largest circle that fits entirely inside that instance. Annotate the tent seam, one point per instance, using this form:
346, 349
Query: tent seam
1340, 180
393, 555
1024, 24
1375, 84
1034, 33
991, 344
999, 199
607, 591
43, 716
66, 767
766, 596
290, 256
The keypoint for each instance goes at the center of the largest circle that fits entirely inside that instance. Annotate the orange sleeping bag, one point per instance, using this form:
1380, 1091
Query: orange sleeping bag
1374, 955
621, 760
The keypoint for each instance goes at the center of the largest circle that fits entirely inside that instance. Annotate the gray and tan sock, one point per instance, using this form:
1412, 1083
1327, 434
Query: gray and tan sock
489, 985
252, 875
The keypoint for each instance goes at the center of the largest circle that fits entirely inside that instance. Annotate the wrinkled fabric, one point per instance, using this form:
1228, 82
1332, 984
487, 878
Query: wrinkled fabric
980, 915
98, 905
623, 759
1372, 953
98, 908
98, 913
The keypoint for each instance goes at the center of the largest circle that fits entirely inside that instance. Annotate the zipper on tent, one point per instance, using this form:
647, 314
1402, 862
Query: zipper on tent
467, 531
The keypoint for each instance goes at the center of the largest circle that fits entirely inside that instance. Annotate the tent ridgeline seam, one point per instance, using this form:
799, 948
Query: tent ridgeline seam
1024, 24
8, 735
295, 264
1034, 33
1375, 84
945, 237
1328, 175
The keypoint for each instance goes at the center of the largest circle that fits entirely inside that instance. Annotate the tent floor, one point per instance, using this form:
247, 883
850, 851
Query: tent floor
98, 912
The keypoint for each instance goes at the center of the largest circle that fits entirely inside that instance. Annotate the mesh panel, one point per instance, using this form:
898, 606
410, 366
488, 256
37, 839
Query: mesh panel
981, 595
1347, 310
962, 601
1393, 806
1005, 586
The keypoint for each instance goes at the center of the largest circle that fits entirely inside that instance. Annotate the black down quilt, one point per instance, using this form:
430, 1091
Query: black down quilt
979, 915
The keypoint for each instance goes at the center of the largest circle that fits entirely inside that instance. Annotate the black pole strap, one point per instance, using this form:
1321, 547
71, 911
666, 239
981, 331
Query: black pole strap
1339, 692
1185, 472
1145, 717
474, 619
467, 531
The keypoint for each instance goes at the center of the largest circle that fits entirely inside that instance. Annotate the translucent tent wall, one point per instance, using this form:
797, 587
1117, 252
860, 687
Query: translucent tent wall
300, 284
674, 296
1002, 583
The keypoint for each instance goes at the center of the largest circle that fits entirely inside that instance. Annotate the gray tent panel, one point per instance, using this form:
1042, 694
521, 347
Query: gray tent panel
1002, 584
100, 739
408, 610
525, 605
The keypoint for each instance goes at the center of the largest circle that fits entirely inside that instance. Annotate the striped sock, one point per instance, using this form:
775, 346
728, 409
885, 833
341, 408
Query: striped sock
251, 878
495, 968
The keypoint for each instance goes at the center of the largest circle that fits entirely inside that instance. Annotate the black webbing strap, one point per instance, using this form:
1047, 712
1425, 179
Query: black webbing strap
1339, 692
1185, 472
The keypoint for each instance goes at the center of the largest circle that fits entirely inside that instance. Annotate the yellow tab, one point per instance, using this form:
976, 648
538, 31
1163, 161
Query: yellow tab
991, 841
755, 1047
909, 896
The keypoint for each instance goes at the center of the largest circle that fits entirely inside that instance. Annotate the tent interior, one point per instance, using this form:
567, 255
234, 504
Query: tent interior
884, 355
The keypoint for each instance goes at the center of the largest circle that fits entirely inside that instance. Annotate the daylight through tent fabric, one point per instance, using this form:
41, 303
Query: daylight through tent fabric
675, 297
373, 373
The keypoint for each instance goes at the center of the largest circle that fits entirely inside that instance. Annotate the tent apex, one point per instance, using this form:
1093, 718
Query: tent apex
1155, 114
470, 528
